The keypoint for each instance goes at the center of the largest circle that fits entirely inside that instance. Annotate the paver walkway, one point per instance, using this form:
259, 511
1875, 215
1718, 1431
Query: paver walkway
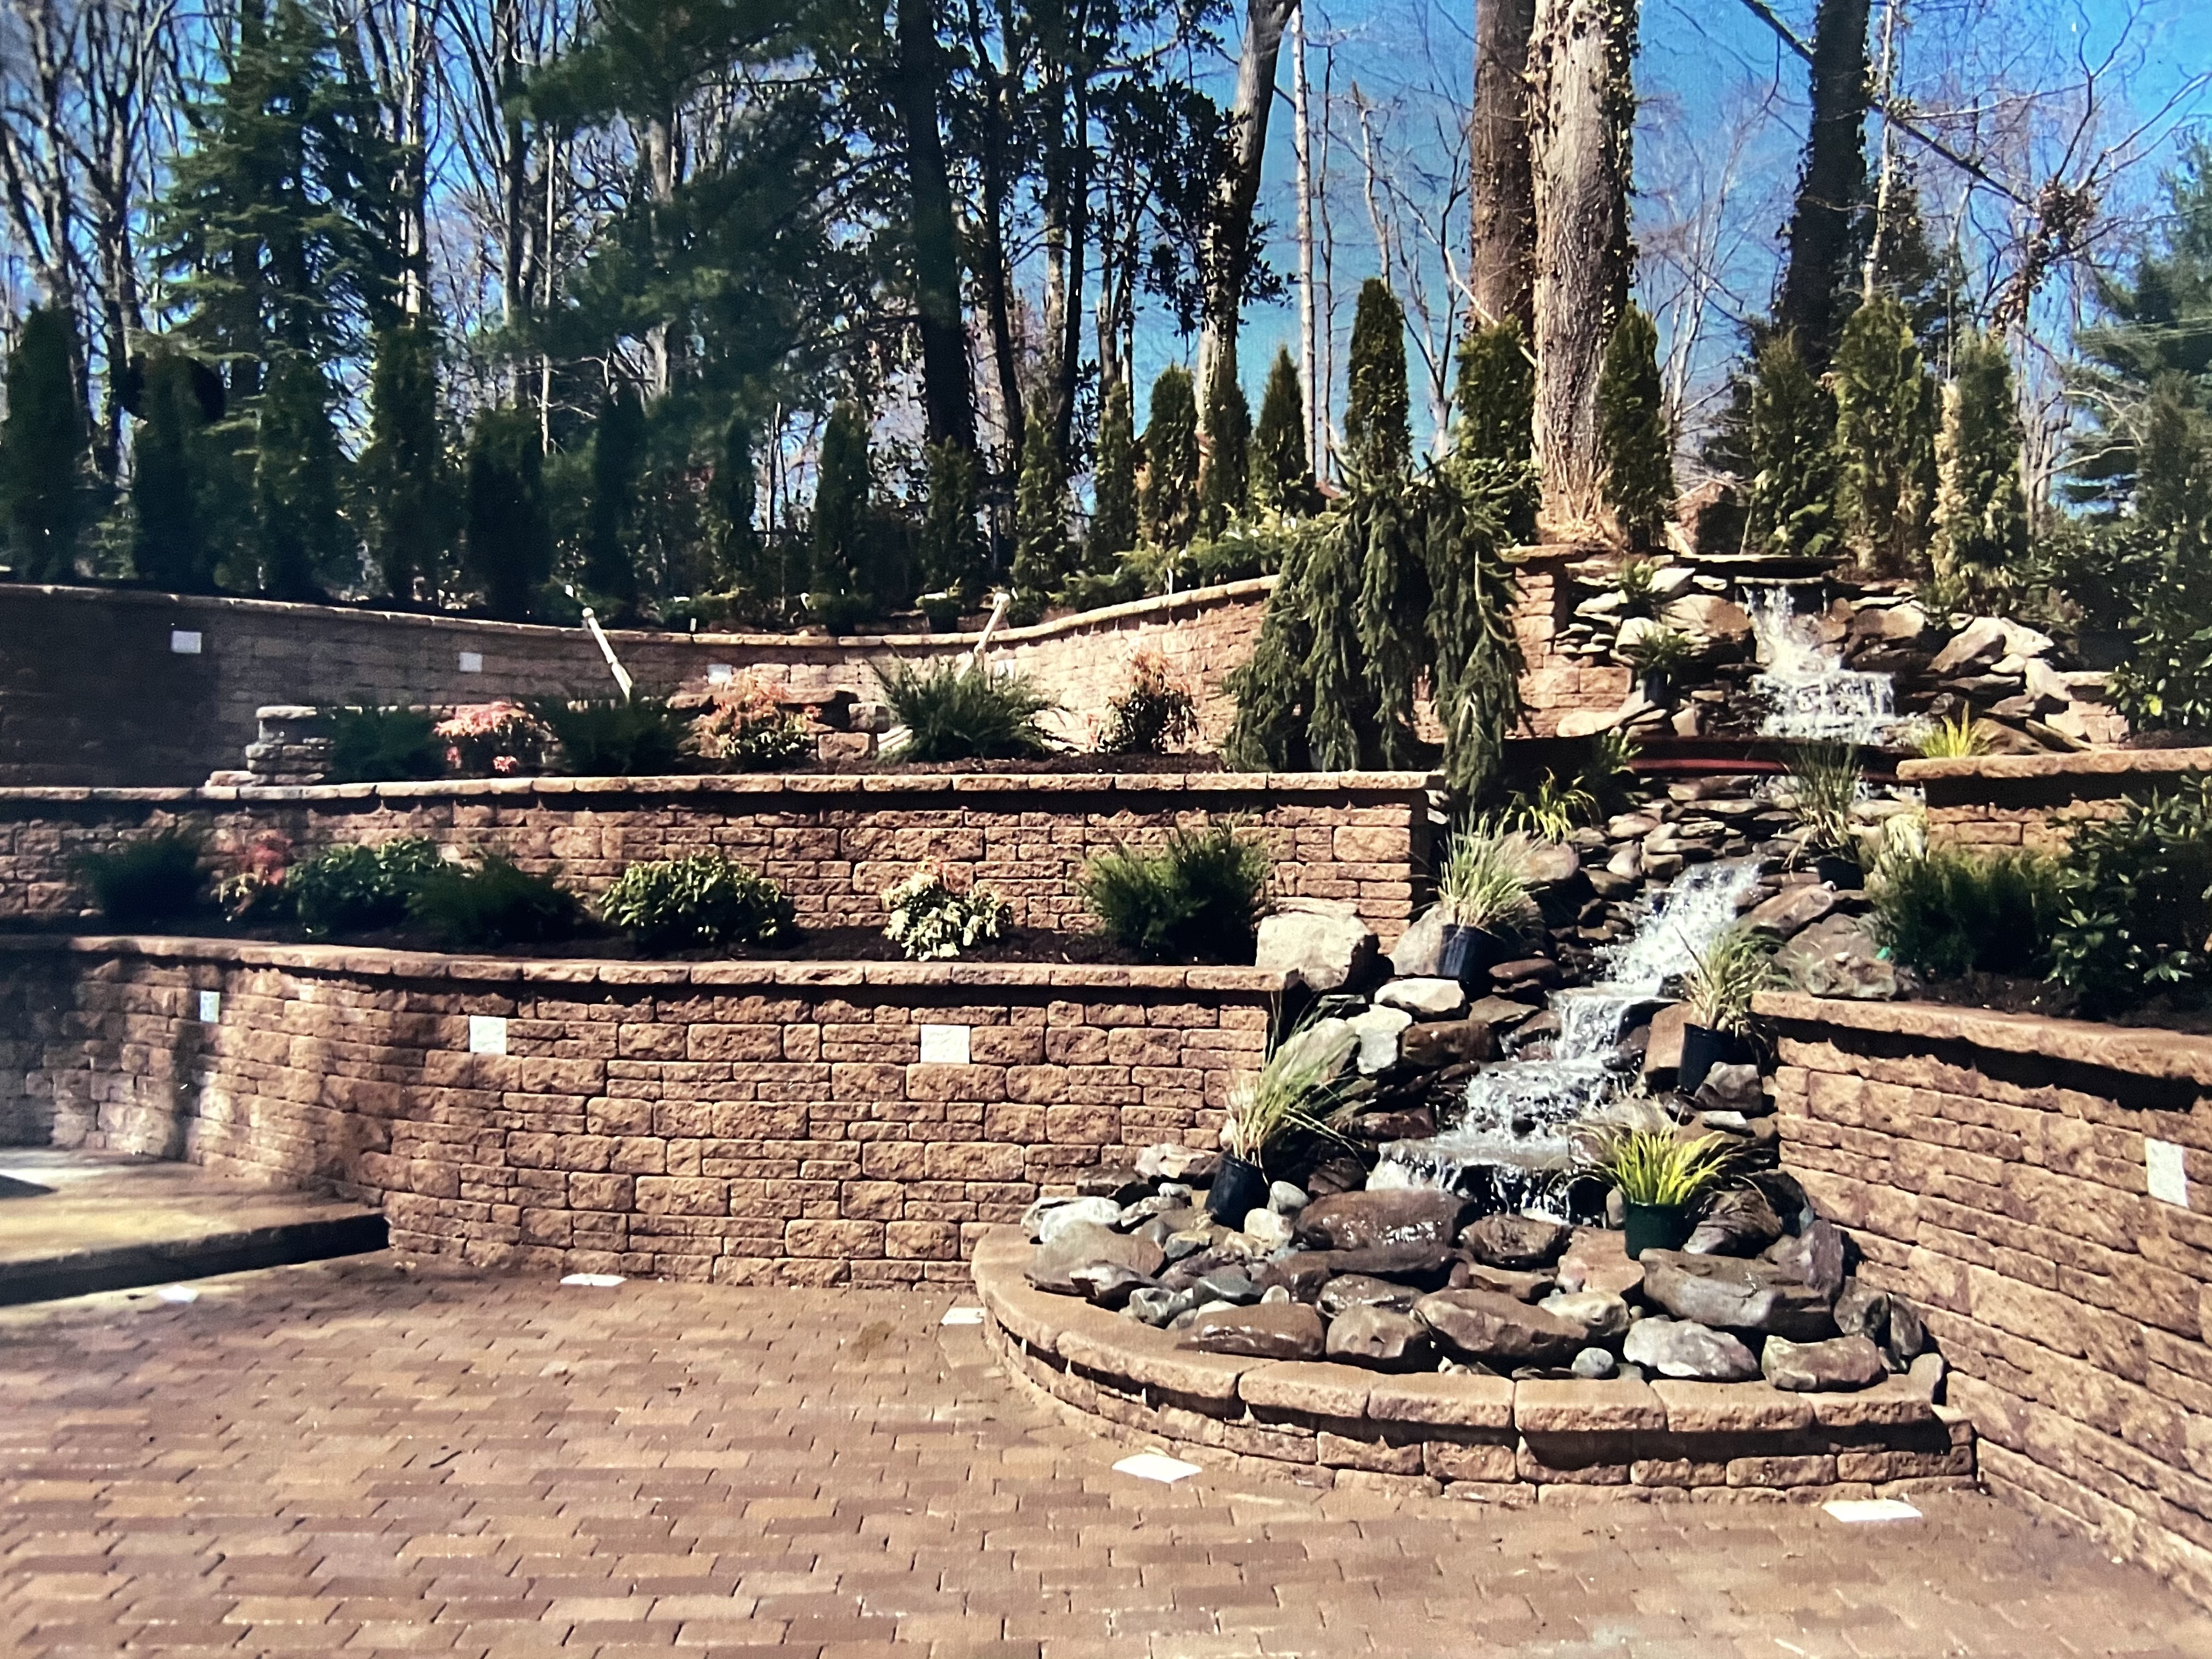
354, 1456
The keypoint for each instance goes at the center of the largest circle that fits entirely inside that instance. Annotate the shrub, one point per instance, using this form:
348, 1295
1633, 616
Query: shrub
1153, 715
353, 888
614, 736
2135, 902
959, 711
147, 880
492, 740
673, 904
383, 745
1659, 652
491, 904
1194, 899
256, 892
1949, 913
748, 727
930, 922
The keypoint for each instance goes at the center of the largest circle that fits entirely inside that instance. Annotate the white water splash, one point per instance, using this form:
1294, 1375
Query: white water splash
1808, 692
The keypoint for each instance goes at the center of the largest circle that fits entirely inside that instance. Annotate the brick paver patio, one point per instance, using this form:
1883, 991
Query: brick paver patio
354, 1456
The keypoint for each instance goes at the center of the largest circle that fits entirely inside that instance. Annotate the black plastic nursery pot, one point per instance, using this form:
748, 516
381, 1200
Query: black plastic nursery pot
1844, 875
1703, 1049
1469, 954
1238, 1189
1657, 1227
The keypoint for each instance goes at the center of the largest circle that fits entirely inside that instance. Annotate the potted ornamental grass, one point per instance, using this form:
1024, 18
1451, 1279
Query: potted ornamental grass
1483, 890
1718, 988
1296, 1091
1661, 1178
1824, 784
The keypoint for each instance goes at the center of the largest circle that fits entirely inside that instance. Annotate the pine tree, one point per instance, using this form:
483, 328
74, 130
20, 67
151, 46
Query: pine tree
1495, 396
954, 559
610, 512
509, 539
1040, 514
2173, 477
44, 502
1981, 511
1225, 477
404, 473
1170, 502
1633, 440
1377, 430
300, 536
840, 507
1282, 477
1885, 439
1790, 430
172, 465
739, 563
1114, 482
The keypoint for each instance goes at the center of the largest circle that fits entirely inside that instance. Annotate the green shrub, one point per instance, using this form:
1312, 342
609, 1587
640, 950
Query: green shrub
931, 922
2136, 903
1154, 715
954, 711
748, 727
491, 904
614, 737
383, 745
1948, 913
352, 889
675, 904
147, 880
1198, 898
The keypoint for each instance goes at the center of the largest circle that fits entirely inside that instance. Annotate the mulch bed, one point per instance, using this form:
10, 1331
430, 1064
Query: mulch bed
2002, 995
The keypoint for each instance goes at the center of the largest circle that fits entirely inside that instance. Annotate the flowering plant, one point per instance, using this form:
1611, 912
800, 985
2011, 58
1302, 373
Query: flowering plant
255, 892
1154, 715
931, 922
748, 726
501, 738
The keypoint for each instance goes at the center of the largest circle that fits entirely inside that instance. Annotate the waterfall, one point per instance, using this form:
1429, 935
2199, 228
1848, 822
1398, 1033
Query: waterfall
1808, 691
1513, 1130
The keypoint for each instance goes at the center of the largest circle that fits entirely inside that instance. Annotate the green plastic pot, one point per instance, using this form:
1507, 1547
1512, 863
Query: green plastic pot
1657, 1227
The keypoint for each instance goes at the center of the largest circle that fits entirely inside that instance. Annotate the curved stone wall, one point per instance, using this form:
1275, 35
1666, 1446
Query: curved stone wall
2003, 801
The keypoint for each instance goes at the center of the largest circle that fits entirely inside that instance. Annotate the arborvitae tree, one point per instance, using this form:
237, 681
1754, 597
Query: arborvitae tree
739, 563
954, 559
1885, 439
1791, 433
301, 539
1638, 449
1496, 398
841, 506
1040, 513
1928, 279
1114, 482
1377, 430
1225, 477
1981, 511
1171, 503
2173, 477
405, 476
43, 499
177, 399
611, 514
1282, 475
507, 545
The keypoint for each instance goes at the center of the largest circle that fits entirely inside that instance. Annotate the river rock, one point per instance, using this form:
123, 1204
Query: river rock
1107, 1282
1601, 1313
1166, 1161
1076, 1246
1791, 911
1268, 1229
1323, 941
1227, 1285
1861, 1311
1159, 1304
1425, 999
1378, 1030
1681, 1348
1516, 1240
1738, 1222
1433, 1043
1594, 1364
1815, 1257
1728, 1291
1043, 1219
1908, 1336
1838, 1364
1275, 1330
1286, 1197
1363, 1220
1598, 1259
1837, 957
1733, 1089
1372, 1336
1487, 1326
1420, 952
1364, 1290
1521, 1287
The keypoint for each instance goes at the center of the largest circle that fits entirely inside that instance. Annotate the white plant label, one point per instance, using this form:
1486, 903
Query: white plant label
945, 1045
1156, 1466
210, 1007
1859, 1510
962, 1317
472, 662
2168, 1176
487, 1034
180, 1293
185, 641
594, 1281
720, 673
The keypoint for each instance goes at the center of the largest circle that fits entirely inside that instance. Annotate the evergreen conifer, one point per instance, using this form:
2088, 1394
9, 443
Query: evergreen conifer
404, 473
1040, 514
840, 507
1378, 417
299, 536
1495, 396
1225, 477
1981, 510
509, 539
1170, 501
1637, 448
43, 499
1282, 475
739, 562
954, 559
1792, 435
1114, 482
1885, 439
170, 467
610, 512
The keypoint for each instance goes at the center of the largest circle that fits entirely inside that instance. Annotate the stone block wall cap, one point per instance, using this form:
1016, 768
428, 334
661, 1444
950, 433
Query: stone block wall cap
1583, 1406
1311, 1385
1731, 1408
2076, 763
1472, 1400
2139, 1051
287, 711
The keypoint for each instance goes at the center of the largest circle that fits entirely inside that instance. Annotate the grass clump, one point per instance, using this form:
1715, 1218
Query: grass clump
1956, 739
1823, 788
491, 904
1198, 898
614, 736
956, 711
1484, 881
1948, 913
1650, 1164
147, 880
1725, 976
1297, 1091
384, 745
702, 900
2136, 903
353, 889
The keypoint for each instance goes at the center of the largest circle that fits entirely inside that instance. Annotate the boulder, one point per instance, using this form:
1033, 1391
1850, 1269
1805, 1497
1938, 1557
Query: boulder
1679, 1348
1428, 1265
1407, 1123
1791, 911
1323, 941
1908, 1336
1364, 1290
2045, 684
1045, 1220
1227, 1285
1405, 1215
1420, 952
1433, 1043
1516, 1240
1601, 1313
1526, 971
1927, 1376
1840, 1363
1500, 1013
1738, 1222
1730, 1292
1545, 862
1814, 1258
1425, 999
1733, 1089
1896, 624
1521, 1287
1108, 1282
1373, 1335
1269, 1229
1708, 614
1378, 1030
1981, 640
1286, 1198
1158, 1306
1118, 1182
1598, 1261
1861, 1311
1272, 1330
1054, 1264
1167, 1161
1837, 957
1329, 1043
1487, 1326
1662, 1052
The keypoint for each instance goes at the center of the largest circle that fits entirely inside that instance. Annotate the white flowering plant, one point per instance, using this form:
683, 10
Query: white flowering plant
932, 923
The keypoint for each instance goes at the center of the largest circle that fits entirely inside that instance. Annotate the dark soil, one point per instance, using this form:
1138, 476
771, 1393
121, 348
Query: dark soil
1060, 761
2006, 995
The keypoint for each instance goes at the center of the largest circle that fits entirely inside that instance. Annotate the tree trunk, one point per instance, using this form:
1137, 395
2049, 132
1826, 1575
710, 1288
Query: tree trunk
1823, 226
661, 161
947, 393
1580, 108
1228, 252
1499, 279
1302, 131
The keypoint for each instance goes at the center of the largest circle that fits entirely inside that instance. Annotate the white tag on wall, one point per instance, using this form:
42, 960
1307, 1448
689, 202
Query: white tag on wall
2167, 1175
720, 673
945, 1045
210, 1007
472, 662
185, 641
487, 1034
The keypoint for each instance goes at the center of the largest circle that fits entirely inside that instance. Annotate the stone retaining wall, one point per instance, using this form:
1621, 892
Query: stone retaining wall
833, 841
1468, 1434
1999, 801
1995, 1169
795, 1122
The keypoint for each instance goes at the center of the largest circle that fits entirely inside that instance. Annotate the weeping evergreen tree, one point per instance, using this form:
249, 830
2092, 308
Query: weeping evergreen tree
1114, 482
44, 503
1377, 418
611, 515
1496, 397
1040, 514
406, 480
1170, 499
1981, 511
953, 557
841, 506
301, 538
739, 562
1790, 431
175, 401
1469, 514
1638, 449
508, 535
1225, 476
1885, 439
1282, 475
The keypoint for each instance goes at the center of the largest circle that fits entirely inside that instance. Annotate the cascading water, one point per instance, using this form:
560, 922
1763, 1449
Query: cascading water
1514, 1129
1808, 691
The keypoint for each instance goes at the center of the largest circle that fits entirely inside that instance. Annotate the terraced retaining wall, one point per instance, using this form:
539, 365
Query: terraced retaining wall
2036, 1187
833, 841
1999, 801
808, 1123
